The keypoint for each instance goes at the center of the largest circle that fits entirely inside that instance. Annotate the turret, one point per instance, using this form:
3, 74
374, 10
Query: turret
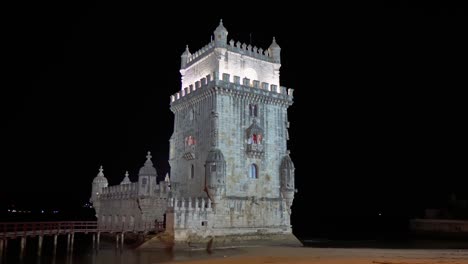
287, 180
99, 183
184, 57
275, 51
147, 177
215, 175
126, 179
220, 35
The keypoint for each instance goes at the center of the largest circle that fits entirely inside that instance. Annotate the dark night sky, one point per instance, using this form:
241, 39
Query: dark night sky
378, 123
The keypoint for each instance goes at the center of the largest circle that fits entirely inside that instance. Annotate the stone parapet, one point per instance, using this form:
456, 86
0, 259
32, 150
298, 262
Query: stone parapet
255, 87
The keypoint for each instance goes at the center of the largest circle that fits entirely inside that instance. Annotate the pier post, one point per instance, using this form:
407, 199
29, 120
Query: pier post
1, 248
94, 241
72, 240
116, 240
23, 245
55, 242
122, 240
5, 244
39, 245
68, 241
98, 239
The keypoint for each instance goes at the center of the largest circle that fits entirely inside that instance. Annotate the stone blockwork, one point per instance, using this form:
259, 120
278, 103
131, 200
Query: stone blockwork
231, 174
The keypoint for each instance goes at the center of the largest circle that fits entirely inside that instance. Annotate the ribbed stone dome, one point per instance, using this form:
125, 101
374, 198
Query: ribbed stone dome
215, 155
186, 52
274, 45
100, 177
221, 27
100, 180
287, 163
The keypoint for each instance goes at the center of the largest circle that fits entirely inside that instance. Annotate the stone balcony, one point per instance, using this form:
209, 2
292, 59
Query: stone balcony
254, 150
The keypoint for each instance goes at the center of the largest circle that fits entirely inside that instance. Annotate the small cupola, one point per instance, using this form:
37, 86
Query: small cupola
275, 51
184, 57
148, 169
126, 179
100, 179
220, 35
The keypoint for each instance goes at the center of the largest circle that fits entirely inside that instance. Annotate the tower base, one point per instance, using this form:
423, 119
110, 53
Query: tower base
194, 242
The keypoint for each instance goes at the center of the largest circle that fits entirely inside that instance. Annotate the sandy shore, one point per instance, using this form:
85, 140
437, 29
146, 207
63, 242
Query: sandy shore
303, 255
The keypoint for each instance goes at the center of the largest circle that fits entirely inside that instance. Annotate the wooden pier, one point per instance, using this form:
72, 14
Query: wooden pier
25, 230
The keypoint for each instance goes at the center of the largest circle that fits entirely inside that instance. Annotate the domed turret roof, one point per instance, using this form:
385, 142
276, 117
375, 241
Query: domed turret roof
148, 169
215, 155
274, 45
186, 52
220, 27
126, 179
287, 163
100, 177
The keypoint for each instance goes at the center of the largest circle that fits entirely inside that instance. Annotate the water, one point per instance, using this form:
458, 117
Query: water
83, 253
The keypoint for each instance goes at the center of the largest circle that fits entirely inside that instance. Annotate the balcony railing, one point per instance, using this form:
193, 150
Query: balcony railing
189, 153
254, 150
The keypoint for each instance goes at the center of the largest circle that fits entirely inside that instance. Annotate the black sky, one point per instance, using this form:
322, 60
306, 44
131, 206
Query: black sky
378, 123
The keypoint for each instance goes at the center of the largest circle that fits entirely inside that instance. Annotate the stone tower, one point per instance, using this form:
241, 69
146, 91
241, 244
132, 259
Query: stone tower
229, 139
99, 183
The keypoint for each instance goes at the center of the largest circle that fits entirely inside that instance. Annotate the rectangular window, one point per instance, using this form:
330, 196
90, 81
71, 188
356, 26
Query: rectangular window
192, 171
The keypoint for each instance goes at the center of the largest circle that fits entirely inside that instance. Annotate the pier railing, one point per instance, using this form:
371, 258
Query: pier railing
20, 229
25, 229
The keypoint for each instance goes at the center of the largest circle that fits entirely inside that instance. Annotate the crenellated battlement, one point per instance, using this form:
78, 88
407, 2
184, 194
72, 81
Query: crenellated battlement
192, 58
233, 46
225, 81
190, 204
130, 190
250, 50
120, 190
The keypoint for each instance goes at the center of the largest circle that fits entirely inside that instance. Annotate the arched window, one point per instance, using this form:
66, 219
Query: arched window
253, 171
192, 171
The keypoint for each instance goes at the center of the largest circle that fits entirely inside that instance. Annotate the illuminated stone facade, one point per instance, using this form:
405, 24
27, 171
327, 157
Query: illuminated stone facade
231, 173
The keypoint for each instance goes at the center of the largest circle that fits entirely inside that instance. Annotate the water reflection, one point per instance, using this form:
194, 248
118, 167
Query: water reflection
83, 253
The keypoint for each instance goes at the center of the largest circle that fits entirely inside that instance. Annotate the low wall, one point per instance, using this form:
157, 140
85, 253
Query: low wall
439, 227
